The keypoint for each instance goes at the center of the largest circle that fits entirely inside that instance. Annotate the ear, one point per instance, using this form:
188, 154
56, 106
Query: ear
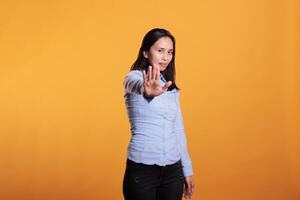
145, 53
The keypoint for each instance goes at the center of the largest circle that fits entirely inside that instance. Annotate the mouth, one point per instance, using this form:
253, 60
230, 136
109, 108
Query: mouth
163, 64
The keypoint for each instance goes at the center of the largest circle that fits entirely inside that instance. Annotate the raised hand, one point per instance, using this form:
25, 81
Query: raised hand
152, 82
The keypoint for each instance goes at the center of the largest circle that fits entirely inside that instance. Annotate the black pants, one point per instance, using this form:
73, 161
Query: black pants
153, 182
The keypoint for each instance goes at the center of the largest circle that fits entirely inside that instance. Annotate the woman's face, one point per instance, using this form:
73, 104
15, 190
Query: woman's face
160, 53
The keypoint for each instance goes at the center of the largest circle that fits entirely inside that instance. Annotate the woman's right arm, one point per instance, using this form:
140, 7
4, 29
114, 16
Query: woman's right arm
137, 82
134, 83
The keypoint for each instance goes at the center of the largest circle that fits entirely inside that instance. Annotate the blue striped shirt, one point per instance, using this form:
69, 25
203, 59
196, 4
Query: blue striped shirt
157, 131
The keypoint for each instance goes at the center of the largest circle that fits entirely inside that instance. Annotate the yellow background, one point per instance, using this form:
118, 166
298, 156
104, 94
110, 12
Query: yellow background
63, 124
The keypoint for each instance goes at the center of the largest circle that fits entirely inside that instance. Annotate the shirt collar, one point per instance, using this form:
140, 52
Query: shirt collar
162, 78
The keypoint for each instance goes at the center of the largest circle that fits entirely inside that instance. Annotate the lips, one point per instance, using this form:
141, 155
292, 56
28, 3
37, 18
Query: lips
163, 64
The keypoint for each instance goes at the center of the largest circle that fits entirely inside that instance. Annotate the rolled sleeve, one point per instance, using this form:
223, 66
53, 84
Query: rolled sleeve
134, 83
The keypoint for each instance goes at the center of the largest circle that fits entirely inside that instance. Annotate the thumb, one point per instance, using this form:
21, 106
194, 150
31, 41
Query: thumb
168, 84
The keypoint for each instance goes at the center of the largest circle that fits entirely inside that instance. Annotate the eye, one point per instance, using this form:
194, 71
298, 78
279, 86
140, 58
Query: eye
159, 50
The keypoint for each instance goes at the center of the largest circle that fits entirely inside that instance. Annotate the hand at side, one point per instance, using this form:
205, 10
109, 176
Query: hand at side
188, 188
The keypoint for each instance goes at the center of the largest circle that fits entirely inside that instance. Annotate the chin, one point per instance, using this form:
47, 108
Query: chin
163, 69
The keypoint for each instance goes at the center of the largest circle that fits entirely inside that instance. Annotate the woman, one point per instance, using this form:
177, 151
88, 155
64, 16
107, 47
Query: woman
158, 164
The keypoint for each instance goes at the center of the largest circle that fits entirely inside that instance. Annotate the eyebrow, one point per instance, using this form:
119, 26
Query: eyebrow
169, 49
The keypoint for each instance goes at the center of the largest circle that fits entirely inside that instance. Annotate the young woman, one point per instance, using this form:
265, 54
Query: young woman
158, 164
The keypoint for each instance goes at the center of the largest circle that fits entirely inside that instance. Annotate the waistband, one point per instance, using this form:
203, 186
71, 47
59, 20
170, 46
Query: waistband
132, 163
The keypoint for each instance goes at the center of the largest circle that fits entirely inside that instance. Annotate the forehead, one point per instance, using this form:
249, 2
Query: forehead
163, 42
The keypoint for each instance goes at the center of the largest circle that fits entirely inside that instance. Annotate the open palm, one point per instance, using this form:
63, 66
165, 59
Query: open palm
152, 82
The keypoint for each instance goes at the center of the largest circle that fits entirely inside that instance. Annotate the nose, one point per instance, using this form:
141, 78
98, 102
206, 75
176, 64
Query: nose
165, 56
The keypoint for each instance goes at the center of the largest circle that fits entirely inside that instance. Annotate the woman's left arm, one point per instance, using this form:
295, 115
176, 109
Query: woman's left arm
182, 142
184, 154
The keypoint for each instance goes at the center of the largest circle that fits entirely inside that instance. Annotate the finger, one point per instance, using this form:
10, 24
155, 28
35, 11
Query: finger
188, 196
144, 76
154, 72
150, 72
185, 195
191, 187
157, 73
184, 191
168, 84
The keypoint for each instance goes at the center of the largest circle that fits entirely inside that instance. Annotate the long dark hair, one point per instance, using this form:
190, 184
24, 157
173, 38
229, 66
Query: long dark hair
142, 63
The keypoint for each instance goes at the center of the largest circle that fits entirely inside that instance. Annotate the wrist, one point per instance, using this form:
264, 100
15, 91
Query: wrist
148, 97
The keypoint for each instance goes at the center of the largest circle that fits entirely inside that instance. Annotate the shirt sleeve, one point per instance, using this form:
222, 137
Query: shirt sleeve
182, 142
134, 83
